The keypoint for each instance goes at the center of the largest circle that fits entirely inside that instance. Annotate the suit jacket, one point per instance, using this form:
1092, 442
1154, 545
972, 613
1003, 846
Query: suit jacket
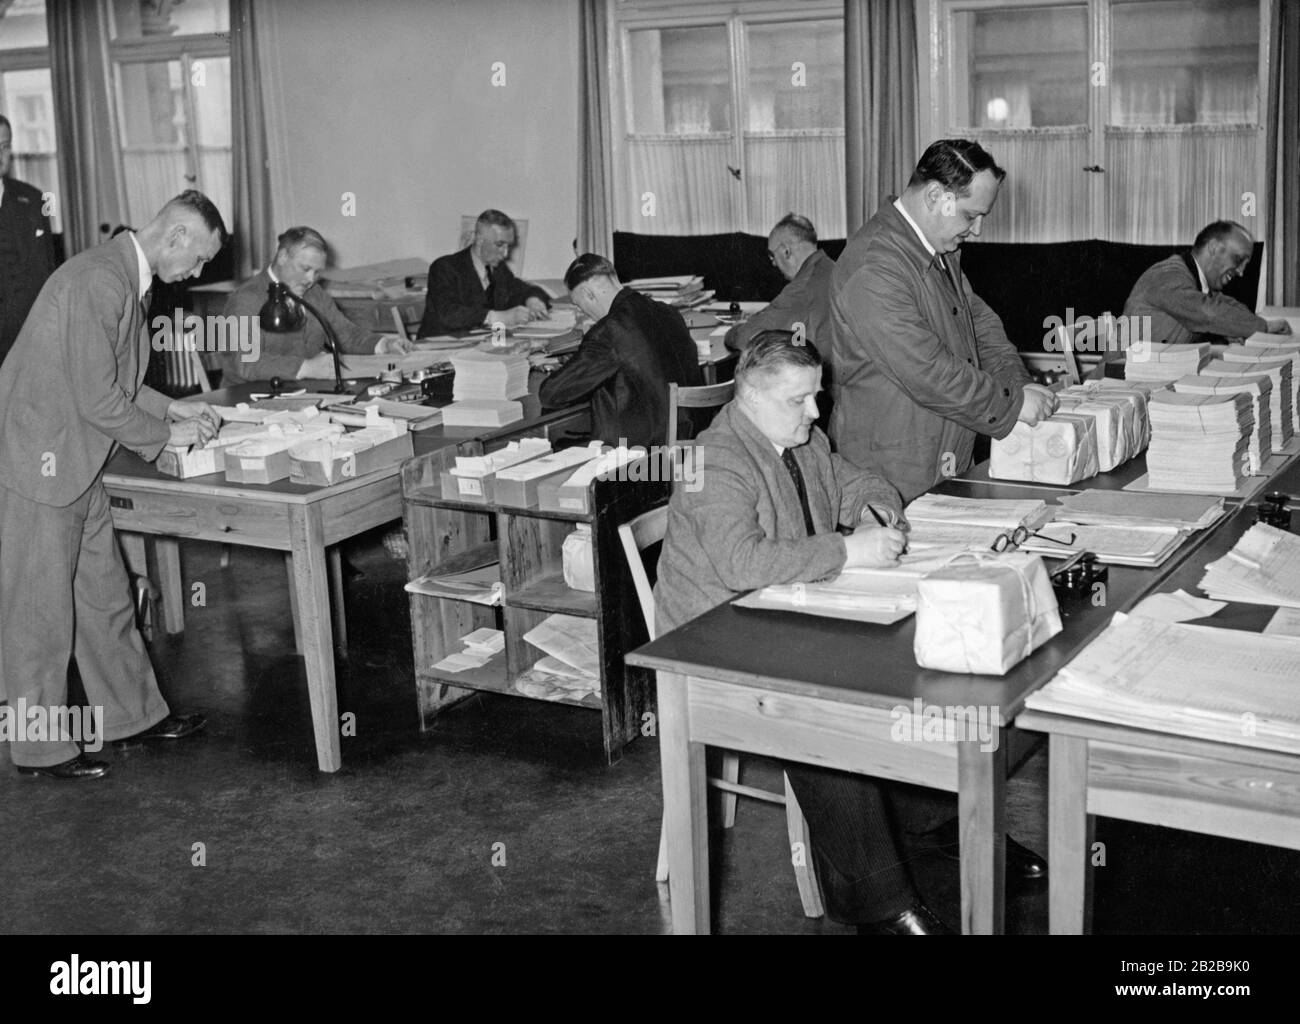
456, 300
1170, 294
282, 355
806, 299
26, 257
72, 386
735, 523
919, 369
625, 363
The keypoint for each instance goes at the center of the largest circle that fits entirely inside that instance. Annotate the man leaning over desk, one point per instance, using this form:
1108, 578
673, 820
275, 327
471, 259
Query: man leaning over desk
475, 288
1183, 294
303, 353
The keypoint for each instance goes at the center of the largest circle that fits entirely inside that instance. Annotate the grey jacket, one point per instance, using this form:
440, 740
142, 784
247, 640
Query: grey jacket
1169, 292
806, 299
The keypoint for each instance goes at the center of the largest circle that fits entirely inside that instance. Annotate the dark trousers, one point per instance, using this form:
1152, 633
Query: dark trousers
856, 858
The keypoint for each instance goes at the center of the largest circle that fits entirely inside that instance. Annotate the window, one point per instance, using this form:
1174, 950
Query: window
26, 96
171, 69
1130, 120
729, 116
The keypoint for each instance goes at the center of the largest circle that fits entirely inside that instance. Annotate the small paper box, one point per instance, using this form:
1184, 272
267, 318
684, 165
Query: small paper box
1059, 450
556, 496
344, 464
189, 462
257, 469
985, 615
518, 485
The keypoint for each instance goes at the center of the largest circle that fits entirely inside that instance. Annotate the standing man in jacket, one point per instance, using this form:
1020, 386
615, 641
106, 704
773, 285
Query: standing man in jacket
26, 245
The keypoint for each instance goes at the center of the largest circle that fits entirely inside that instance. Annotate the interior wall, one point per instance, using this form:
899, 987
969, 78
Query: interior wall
394, 102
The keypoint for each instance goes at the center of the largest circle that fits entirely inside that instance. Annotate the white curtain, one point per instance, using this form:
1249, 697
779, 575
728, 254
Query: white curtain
1143, 98
801, 172
1045, 195
1230, 97
692, 192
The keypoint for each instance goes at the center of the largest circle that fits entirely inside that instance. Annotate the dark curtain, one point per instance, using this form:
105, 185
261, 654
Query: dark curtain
1282, 219
594, 213
253, 225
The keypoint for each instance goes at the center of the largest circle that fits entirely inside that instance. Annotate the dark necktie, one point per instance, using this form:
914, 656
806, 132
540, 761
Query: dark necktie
487, 287
787, 456
953, 276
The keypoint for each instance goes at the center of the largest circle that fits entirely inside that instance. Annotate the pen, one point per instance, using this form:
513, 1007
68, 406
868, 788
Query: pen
876, 515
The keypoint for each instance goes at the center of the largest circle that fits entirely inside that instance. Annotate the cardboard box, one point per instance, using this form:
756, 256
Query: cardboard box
184, 463
553, 496
257, 469
524, 493
351, 465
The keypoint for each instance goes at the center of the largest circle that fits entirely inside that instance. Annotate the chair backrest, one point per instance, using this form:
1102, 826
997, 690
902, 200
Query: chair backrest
708, 396
638, 534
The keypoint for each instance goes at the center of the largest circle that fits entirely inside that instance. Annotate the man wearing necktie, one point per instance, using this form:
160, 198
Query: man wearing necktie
920, 364
71, 391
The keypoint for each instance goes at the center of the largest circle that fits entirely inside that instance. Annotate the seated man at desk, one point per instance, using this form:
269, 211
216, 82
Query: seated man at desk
304, 353
627, 359
475, 288
792, 248
1183, 293
770, 495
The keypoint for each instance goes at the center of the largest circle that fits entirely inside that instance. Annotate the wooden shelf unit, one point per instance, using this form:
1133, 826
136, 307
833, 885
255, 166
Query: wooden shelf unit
447, 536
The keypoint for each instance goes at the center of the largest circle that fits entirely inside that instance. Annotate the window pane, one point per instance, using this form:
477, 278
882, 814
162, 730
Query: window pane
679, 81
211, 91
155, 134
1021, 68
150, 19
29, 104
795, 76
22, 24
1185, 61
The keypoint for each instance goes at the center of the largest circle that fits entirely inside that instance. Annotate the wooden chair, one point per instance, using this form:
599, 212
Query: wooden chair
640, 533
709, 396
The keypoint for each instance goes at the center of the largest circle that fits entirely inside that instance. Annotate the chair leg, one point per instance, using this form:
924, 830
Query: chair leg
661, 869
730, 773
810, 894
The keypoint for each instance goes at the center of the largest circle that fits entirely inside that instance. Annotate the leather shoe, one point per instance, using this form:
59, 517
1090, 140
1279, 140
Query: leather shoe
1022, 862
73, 770
173, 727
915, 921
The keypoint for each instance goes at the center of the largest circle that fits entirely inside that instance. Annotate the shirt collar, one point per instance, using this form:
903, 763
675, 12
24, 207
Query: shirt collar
1200, 274
898, 205
142, 263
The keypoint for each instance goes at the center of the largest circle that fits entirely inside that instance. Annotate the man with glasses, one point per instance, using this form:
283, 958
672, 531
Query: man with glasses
475, 288
792, 249
1183, 294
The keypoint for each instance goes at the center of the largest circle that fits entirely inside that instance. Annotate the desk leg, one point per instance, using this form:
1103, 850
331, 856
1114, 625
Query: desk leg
293, 603
133, 553
981, 817
307, 535
685, 809
1069, 837
335, 556
167, 556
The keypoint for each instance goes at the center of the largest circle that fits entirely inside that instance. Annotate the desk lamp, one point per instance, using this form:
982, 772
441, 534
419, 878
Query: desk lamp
283, 313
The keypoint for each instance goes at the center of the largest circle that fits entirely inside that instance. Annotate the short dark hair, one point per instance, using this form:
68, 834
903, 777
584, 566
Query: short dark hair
953, 163
769, 352
1219, 231
196, 202
4, 123
495, 218
587, 266
295, 238
798, 226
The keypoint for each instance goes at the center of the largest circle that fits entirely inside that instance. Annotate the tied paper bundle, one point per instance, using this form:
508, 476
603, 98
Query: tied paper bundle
1162, 363
984, 613
1279, 372
1260, 390
1199, 443
577, 559
1134, 397
1058, 450
1115, 423
1253, 354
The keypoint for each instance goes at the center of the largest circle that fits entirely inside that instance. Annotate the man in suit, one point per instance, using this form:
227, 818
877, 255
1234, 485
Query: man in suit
300, 256
627, 359
26, 245
1183, 294
765, 509
474, 287
806, 300
70, 392
920, 364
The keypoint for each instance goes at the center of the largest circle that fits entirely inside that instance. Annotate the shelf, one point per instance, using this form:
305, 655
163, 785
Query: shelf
552, 594
491, 676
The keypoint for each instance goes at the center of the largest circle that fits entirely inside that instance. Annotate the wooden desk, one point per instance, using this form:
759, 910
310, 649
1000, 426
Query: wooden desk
829, 692
304, 522
1216, 788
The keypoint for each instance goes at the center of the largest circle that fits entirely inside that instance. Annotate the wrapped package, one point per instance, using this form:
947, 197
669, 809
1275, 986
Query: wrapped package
1058, 450
579, 564
1136, 396
984, 613
1114, 422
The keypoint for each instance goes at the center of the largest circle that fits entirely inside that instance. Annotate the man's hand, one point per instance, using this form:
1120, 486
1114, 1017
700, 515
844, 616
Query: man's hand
1279, 327
1039, 404
179, 411
873, 547
318, 367
186, 432
509, 317
536, 307
392, 345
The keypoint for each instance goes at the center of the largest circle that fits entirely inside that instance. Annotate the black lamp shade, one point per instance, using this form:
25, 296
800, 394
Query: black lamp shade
280, 313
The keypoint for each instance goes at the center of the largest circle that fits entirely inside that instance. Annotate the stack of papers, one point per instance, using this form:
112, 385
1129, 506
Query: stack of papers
1260, 390
1162, 363
1143, 546
1269, 346
482, 413
941, 522
1219, 684
862, 595
489, 376
481, 585
561, 320
481, 646
571, 669
1263, 567
1199, 443
684, 291
1279, 372
1111, 508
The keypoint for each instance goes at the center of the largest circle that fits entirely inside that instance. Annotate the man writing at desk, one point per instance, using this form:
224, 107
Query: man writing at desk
475, 288
792, 248
1183, 294
304, 353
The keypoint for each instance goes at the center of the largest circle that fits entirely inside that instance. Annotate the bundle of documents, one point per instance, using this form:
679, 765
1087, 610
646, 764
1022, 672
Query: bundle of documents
1136, 394
481, 646
489, 375
1161, 362
1280, 405
1218, 684
1263, 567
1142, 546
560, 320
1271, 346
481, 585
482, 413
1058, 450
1199, 443
939, 521
1263, 356
572, 665
1260, 390
1117, 508
862, 595
493, 462
1123, 426
684, 291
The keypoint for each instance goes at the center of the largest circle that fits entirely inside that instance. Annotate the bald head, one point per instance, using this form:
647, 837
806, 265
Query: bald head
1223, 251
790, 244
